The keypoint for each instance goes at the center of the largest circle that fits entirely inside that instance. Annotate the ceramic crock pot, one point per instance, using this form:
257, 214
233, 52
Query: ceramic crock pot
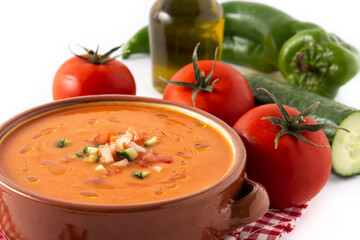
210, 213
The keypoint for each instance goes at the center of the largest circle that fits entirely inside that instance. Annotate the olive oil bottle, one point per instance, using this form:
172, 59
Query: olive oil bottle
176, 26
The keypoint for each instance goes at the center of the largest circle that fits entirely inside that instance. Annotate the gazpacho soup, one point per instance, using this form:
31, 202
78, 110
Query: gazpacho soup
116, 153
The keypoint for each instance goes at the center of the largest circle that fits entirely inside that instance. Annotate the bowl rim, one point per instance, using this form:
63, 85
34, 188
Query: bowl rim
232, 175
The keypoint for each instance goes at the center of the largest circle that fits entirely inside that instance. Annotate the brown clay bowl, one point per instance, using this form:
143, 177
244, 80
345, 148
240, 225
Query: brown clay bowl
210, 213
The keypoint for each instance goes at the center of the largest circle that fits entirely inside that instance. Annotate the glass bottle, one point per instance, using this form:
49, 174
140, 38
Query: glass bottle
176, 26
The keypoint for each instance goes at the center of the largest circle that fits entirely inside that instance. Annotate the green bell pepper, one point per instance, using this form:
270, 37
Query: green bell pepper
267, 39
254, 34
318, 62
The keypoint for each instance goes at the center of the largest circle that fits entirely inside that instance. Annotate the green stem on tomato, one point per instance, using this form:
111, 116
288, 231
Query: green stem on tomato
293, 126
97, 59
202, 82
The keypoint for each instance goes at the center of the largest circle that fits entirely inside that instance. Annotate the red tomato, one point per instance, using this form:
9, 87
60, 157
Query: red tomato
294, 172
78, 77
231, 96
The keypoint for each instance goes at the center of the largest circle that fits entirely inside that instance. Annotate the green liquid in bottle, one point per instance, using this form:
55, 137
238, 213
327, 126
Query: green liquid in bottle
176, 26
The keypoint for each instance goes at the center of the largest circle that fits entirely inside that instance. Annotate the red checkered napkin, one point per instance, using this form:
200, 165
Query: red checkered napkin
271, 226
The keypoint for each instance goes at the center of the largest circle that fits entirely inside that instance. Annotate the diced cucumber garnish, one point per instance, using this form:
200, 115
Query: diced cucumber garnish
93, 158
62, 143
158, 168
90, 150
151, 142
98, 144
141, 175
129, 153
100, 168
76, 156
346, 147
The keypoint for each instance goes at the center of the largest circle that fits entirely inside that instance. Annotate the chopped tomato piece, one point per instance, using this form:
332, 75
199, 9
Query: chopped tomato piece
100, 138
111, 137
135, 136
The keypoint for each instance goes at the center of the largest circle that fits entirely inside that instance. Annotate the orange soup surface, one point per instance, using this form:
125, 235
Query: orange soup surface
115, 153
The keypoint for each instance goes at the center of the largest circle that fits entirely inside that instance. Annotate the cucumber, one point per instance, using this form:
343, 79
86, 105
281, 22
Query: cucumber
345, 146
90, 150
151, 142
129, 153
76, 156
140, 175
62, 143
93, 158
100, 168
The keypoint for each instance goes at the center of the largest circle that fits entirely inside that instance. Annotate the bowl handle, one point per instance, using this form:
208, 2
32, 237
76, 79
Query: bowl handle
252, 205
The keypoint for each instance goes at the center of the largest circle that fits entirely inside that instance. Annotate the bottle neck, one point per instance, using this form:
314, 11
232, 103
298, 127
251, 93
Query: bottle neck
178, 6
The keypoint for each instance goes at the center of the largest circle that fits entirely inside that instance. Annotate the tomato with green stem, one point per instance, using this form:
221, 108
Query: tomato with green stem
286, 152
212, 86
92, 74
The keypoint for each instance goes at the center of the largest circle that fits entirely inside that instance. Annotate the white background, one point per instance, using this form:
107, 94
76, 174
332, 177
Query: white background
34, 39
